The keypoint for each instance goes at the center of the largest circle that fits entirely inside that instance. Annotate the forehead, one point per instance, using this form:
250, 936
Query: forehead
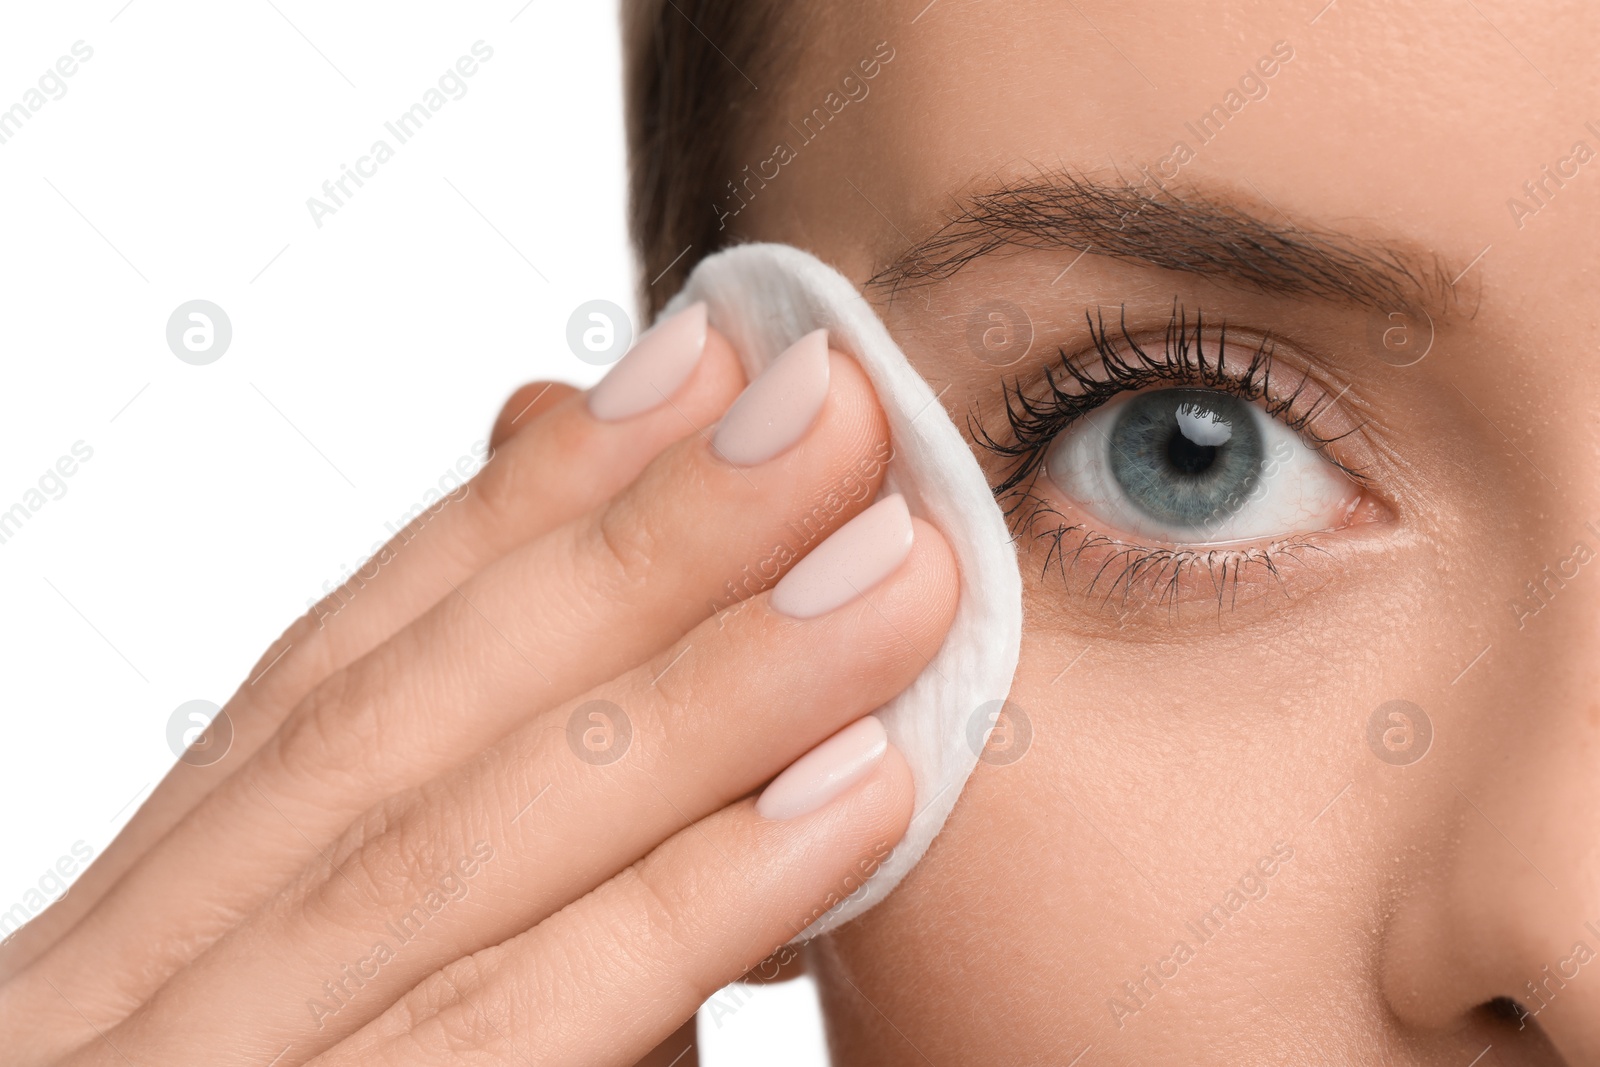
1416, 124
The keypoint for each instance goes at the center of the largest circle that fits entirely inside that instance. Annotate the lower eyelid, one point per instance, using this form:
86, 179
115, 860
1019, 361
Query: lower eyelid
1121, 573
1123, 577
1063, 550
1099, 560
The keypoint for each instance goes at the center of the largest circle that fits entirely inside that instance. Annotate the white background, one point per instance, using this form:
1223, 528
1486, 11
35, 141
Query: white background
368, 355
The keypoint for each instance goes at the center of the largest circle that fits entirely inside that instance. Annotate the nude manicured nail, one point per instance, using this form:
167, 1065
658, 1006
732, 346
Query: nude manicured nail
776, 409
653, 369
826, 771
859, 555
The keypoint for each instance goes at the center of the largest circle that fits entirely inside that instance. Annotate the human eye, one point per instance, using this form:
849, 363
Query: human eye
1197, 466
1156, 460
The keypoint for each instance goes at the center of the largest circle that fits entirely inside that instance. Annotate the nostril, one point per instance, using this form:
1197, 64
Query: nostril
1504, 1009
1531, 1041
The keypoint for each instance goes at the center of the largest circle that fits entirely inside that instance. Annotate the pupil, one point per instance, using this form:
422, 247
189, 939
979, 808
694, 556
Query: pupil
1187, 457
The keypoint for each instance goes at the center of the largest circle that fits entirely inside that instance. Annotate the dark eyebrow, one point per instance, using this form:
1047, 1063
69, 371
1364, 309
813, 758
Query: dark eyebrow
1191, 231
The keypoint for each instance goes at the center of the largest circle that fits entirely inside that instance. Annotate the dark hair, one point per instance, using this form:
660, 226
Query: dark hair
687, 109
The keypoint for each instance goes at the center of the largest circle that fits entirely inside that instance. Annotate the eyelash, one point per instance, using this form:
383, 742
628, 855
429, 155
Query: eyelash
1070, 393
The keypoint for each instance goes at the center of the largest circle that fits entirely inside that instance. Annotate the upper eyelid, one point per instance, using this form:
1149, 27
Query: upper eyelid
1255, 378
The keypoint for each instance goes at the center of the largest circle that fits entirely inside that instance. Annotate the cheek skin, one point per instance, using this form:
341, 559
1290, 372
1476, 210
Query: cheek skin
1169, 758
1158, 778
1135, 809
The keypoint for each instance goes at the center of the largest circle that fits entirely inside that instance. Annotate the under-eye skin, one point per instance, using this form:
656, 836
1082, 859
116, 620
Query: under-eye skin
1175, 464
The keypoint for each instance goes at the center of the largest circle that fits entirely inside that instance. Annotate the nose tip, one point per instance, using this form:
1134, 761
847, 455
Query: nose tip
1486, 938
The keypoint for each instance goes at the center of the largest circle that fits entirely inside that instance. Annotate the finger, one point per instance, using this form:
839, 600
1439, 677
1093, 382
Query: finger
606, 979
785, 965
524, 408
680, 1049
588, 600
562, 463
743, 700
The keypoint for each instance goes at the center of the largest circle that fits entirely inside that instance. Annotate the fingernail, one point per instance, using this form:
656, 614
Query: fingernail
653, 369
826, 771
776, 409
859, 555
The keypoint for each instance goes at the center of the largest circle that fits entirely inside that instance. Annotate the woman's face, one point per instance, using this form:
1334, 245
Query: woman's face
1309, 664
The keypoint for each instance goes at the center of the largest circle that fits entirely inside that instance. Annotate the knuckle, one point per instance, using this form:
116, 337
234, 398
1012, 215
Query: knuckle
323, 890
332, 731
679, 690
659, 926
299, 652
528, 406
709, 674
500, 490
400, 868
371, 826
628, 542
445, 1018
636, 719
544, 458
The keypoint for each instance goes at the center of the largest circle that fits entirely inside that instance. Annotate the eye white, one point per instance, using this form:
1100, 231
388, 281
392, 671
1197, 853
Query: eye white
1296, 491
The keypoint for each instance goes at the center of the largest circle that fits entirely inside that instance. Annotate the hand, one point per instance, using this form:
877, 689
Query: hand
495, 795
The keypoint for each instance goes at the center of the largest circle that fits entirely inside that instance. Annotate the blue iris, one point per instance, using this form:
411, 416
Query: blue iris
1186, 457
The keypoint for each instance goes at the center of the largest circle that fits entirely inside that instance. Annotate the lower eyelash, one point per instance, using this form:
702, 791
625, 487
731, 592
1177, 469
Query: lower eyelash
1159, 570
1072, 393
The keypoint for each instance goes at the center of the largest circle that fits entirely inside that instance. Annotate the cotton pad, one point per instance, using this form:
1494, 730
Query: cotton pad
764, 297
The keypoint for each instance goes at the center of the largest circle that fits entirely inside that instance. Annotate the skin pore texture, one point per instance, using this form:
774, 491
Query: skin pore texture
1199, 856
